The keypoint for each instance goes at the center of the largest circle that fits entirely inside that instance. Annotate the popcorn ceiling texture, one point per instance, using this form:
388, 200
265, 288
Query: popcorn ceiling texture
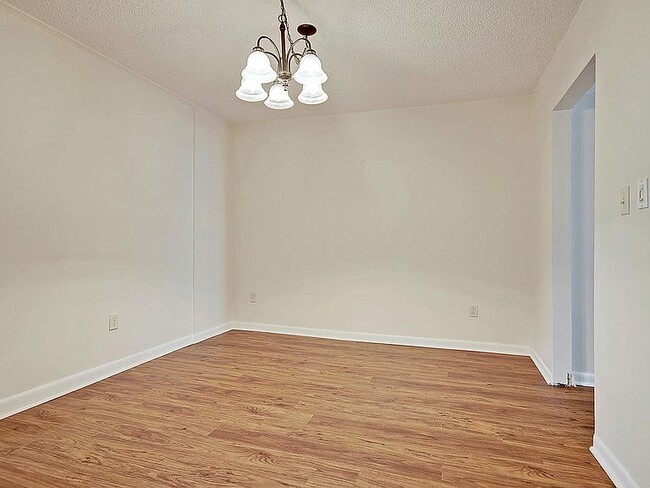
379, 53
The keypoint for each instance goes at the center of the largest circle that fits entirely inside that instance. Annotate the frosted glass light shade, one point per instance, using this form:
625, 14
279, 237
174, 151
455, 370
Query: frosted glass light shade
258, 68
251, 91
312, 94
279, 98
310, 71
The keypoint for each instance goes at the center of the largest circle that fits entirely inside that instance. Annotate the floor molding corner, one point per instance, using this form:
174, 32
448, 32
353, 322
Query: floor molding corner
543, 369
510, 349
212, 332
612, 466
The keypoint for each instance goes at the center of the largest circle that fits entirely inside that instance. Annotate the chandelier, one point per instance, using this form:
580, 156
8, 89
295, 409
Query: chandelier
258, 69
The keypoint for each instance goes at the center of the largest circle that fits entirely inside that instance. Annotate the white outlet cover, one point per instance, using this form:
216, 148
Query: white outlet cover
624, 200
113, 322
473, 311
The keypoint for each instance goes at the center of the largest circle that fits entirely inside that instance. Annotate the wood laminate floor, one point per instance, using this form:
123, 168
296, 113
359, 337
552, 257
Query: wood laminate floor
259, 410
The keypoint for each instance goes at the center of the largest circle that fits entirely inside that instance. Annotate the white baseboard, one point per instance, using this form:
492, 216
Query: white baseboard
614, 469
45, 393
580, 379
41, 394
36, 396
385, 338
584, 379
31, 398
544, 370
212, 332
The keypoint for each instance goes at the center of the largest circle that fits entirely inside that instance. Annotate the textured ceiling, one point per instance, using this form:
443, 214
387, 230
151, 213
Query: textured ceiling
378, 53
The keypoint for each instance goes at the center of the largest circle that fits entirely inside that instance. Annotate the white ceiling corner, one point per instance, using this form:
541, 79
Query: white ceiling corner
378, 53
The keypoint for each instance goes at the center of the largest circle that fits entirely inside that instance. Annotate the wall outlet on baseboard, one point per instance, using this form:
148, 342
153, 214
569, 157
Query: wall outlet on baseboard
252, 297
113, 322
473, 311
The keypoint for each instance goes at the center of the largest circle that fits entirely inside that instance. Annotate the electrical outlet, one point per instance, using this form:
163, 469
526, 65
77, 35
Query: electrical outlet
252, 297
113, 322
473, 311
624, 200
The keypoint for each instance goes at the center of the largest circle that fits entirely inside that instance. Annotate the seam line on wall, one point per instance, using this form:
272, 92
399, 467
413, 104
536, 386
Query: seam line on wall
193, 212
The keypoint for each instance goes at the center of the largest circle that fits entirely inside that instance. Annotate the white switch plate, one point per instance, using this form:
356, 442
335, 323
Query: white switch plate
113, 322
642, 193
624, 200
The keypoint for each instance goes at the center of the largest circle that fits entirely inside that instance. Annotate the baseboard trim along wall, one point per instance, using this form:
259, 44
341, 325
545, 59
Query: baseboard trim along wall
584, 379
580, 379
614, 469
41, 394
543, 369
44, 393
385, 338
212, 332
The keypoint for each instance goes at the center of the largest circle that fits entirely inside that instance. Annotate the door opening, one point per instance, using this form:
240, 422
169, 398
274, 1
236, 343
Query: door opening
573, 232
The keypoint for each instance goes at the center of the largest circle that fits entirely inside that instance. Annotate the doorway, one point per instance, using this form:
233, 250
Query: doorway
573, 232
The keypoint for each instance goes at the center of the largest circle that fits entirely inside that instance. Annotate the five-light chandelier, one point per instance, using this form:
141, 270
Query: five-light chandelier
258, 69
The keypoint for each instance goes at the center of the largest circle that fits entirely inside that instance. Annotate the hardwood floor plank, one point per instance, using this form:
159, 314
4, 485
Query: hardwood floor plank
261, 410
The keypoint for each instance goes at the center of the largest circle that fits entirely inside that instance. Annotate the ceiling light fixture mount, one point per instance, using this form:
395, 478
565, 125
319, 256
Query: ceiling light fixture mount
258, 69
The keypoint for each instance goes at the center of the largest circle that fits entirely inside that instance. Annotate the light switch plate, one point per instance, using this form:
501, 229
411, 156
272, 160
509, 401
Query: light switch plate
624, 200
642, 193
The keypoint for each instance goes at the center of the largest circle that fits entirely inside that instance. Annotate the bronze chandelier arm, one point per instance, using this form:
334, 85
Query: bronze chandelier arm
269, 53
306, 41
275, 46
277, 59
284, 53
298, 56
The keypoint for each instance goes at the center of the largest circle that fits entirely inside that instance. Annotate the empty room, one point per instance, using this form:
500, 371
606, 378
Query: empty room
324, 244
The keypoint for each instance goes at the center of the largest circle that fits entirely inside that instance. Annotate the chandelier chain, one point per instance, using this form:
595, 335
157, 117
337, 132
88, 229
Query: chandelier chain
283, 19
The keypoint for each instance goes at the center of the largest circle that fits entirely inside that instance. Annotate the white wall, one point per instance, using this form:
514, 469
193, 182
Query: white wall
387, 222
582, 176
96, 216
616, 31
96, 205
210, 263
